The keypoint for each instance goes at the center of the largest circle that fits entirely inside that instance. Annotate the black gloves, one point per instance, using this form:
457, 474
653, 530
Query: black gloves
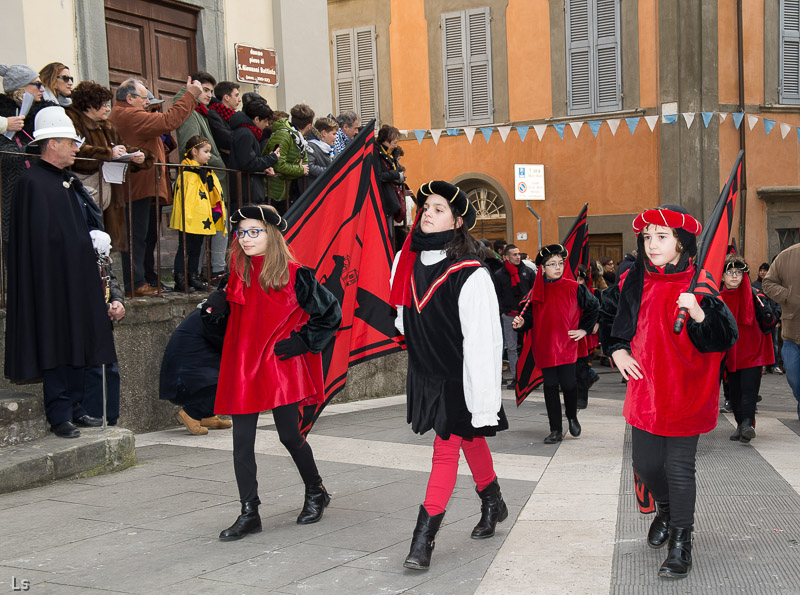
291, 347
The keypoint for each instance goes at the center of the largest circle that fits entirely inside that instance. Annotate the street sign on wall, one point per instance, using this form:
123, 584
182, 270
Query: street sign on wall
528, 181
254, 65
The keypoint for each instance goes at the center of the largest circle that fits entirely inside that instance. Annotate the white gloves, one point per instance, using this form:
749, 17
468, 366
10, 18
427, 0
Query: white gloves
101, 242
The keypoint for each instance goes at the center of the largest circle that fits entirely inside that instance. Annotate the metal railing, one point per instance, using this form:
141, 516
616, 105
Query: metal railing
238, 192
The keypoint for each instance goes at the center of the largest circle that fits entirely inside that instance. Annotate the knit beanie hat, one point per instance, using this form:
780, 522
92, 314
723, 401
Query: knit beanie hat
16, 76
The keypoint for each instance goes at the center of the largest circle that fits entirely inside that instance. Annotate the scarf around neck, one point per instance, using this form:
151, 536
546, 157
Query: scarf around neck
223, 110
513, 271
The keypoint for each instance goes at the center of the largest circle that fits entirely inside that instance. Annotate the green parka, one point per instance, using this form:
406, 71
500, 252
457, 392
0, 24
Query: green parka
290, 164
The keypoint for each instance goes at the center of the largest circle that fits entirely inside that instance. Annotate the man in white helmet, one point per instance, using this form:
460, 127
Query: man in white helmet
58, 323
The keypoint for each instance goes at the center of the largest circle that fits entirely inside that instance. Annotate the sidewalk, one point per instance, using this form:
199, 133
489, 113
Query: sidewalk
573, 524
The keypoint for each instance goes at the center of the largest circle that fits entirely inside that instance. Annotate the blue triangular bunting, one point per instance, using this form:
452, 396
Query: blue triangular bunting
452, 131
487, 132
560, 129
670, 118
594, 126
798, 134
707, 118
737, 119
632, 124
523, 132
768, 124
420, 134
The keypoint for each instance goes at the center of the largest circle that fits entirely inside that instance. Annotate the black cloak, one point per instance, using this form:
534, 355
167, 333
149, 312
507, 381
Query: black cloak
56, 312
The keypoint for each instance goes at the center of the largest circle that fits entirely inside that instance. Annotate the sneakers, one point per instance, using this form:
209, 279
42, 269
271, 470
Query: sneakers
726, 408
776, 369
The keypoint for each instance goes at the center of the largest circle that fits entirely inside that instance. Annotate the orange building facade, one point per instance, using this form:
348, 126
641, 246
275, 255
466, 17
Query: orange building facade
626, 104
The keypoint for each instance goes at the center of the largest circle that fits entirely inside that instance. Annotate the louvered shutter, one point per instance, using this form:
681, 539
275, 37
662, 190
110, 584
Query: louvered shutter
366, 74
454, 52
479, 66
790, 51
579, 57
344, 65
608, 94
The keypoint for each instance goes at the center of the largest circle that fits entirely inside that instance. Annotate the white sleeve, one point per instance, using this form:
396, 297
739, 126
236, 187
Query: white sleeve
3, 125
483, 348
398, 321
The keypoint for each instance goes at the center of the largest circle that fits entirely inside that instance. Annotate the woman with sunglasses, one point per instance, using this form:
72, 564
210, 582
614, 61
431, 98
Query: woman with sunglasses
280, 320
560, 315
58, 83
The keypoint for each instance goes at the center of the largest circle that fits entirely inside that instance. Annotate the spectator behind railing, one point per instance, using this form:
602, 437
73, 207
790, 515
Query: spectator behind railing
391, 177
292, 163
320, 146
17, 80
89, 113
249, 126
221, 108
199, 123
143, 129
348, 128
57, 82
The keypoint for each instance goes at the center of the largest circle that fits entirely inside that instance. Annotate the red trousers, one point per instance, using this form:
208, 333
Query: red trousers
445, 469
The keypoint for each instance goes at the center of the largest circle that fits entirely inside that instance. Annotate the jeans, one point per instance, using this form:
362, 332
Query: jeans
791, 365
137, 222
511, 338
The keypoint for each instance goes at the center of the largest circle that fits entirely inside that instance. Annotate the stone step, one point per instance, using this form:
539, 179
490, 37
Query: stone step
50, 458
21, 418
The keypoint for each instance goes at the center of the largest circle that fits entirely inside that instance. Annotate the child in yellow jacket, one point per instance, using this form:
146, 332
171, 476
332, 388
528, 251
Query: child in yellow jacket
197, 209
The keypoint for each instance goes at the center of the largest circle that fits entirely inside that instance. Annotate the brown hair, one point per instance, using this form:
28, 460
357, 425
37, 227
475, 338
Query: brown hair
302, 116
275, 268
49, 75
194, 142
387, 134
89, 95
326, 124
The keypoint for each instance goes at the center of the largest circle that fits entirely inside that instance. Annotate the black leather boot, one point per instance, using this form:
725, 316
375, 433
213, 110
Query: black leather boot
659, 528
553, 437
493, 510
679, 561
194, 281
317, 498
574, 427
248, 522
180, 283
419, 557
747, 431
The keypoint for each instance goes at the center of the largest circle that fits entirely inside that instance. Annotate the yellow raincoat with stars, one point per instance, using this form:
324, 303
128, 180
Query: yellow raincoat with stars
205, 212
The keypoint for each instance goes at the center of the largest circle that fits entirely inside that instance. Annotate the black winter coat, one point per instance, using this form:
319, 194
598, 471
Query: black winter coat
246, 156
509, 297
190, 357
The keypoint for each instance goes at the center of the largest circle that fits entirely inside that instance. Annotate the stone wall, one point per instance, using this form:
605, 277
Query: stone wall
141, 338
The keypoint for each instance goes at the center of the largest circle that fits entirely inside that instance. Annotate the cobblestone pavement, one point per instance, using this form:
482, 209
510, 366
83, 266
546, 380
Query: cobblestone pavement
573, 525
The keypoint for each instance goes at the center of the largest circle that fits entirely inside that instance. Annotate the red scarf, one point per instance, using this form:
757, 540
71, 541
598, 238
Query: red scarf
202, 109
254, 129
513, 271
222, 109
401, 285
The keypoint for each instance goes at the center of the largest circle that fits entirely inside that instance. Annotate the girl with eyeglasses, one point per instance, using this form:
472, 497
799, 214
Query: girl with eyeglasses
58, 83
743, 362
197, 209
280, 320
561, 314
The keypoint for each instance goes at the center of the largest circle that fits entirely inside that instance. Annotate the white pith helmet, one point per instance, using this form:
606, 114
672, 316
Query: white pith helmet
53, 122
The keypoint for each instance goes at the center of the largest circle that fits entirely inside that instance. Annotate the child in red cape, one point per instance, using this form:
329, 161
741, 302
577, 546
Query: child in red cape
743, 362
673, 380
281, 319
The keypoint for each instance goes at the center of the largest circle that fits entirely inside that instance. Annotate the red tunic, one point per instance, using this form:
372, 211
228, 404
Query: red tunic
587, 345
251, 377
679, 394
552, 318
753, 348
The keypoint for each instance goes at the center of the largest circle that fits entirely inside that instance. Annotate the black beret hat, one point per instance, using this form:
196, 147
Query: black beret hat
262, 214
452, 194
550, 250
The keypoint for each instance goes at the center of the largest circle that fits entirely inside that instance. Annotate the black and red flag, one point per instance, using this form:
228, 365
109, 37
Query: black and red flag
338, 229
577, 244
712, 245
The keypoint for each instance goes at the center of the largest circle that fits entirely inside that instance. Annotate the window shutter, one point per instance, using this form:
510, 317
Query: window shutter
344, 65
366, 74
454, 54
790, 52
579, 57
479, 60
608, 94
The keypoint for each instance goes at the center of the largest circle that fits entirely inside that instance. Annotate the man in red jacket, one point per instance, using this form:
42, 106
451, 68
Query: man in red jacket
136, 124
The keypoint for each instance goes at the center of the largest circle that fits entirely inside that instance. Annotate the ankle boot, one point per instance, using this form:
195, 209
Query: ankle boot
659, 528
248, 522
679, 561
180, 283
317, 498
493, 510
193, 281
747, 431
419, 557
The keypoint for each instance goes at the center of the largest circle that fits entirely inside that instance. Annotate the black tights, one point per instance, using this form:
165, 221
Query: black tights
744, 385
563, 376
666, 465
244, 458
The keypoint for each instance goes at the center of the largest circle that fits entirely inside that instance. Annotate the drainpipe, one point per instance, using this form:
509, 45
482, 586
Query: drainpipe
743, 184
